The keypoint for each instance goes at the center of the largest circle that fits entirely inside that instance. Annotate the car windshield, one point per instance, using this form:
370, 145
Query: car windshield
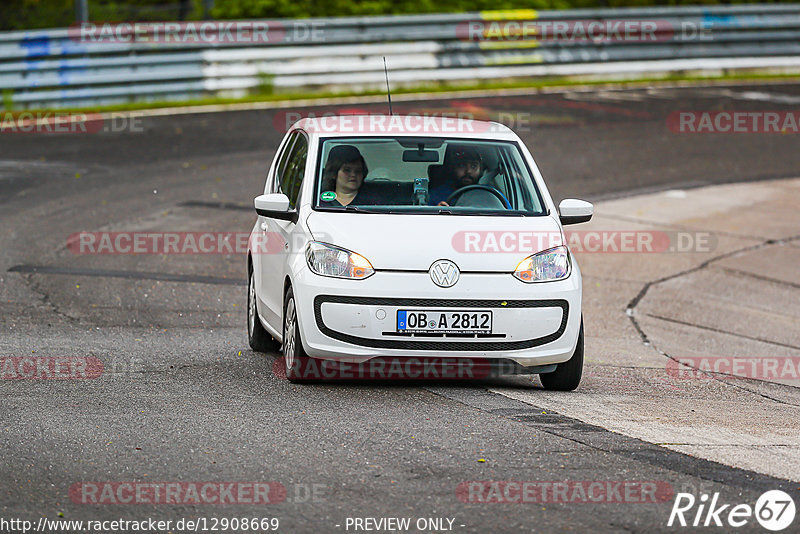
425, 175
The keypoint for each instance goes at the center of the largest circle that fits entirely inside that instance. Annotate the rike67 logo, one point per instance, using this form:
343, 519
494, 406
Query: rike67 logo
774, 510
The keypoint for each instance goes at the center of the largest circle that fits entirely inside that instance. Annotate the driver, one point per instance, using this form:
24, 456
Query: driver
462, 166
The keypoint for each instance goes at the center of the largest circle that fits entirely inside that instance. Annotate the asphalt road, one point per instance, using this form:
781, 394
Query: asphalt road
182, 398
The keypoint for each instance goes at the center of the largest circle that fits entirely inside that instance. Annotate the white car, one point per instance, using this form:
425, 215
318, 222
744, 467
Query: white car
410, 238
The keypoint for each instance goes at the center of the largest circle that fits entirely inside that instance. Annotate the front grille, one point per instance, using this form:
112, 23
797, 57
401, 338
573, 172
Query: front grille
442, 335
426, 345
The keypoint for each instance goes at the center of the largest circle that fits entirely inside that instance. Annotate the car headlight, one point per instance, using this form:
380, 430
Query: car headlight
546, 266
327, 260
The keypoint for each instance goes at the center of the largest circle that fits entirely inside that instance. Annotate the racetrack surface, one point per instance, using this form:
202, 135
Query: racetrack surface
183, 398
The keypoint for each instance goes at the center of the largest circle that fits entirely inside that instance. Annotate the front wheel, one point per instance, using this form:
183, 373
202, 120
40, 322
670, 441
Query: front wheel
294, 355
568, 374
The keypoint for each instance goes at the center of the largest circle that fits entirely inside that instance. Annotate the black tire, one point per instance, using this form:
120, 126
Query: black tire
260, 340
294, 355
568, 374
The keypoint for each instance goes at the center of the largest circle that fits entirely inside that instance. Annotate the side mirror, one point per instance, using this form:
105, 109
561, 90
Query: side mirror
275, 206
574, 211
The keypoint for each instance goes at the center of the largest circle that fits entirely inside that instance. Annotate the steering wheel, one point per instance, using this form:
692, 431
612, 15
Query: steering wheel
493, 190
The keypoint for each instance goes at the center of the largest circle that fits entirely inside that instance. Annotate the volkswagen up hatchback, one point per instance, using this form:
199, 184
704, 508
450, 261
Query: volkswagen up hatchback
413, 237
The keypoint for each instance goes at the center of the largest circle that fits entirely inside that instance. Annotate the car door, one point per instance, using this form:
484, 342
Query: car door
288, 179
262, 263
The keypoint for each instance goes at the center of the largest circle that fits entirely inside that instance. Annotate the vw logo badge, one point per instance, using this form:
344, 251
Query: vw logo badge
444, 273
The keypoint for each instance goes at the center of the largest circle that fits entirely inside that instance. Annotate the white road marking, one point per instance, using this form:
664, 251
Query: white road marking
752, 96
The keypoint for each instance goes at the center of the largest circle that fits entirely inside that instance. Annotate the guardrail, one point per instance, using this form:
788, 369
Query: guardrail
103, 64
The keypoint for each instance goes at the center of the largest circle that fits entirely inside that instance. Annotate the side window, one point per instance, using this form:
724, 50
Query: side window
280, 166
294, 171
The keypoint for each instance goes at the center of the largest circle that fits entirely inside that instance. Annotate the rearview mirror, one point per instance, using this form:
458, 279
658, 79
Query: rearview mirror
574, 211
427, 156
274, 206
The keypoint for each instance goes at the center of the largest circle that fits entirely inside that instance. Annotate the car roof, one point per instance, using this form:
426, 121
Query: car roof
375, 125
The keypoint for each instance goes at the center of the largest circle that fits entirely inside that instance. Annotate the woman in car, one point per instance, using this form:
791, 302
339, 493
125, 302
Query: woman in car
342, 178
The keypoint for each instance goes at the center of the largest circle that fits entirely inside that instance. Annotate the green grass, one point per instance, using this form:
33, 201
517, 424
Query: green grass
430, 88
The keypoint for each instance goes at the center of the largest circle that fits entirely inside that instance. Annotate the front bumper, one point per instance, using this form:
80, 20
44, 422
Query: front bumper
355, 320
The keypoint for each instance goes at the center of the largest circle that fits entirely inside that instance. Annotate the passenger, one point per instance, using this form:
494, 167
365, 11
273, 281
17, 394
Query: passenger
342, 178
462, 166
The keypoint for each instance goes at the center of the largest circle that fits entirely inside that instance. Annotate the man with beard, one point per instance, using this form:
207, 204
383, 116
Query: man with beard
462, 166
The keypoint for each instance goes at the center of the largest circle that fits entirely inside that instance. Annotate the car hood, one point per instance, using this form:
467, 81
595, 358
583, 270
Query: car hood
413, 242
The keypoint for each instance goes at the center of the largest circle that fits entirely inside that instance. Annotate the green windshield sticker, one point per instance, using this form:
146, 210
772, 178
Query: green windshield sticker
328, 196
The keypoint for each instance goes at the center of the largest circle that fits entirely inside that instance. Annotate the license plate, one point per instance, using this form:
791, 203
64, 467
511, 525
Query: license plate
444, 322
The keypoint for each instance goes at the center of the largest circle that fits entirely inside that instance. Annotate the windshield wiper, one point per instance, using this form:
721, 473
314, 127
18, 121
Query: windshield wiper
360, 209
493, 213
